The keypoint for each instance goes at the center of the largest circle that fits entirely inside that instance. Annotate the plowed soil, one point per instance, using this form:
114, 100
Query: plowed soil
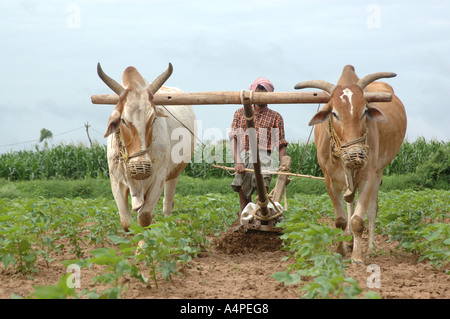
239, 266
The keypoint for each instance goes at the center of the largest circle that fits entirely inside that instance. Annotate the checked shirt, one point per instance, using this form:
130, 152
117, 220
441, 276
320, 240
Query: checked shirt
269, 128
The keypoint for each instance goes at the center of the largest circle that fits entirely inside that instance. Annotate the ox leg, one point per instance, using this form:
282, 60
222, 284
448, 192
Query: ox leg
169, 194
340, 220
120, 193
372, 211
350, 211
152, 196
357, 221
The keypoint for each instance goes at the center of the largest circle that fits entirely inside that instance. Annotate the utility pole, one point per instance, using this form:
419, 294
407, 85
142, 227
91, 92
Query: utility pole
87, 132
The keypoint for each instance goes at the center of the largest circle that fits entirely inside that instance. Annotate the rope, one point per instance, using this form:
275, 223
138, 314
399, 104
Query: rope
362, 138
264, 204
334, 140
123, 150
339, 150
249, 170
127, 157
193, 134
307, 143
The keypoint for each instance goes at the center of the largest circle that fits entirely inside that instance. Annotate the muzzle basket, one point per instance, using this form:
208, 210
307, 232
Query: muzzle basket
139, 170
354, 157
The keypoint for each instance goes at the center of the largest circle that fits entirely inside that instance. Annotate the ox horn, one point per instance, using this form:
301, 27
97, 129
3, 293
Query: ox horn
110, 82
318, 84
160, 80
365, 81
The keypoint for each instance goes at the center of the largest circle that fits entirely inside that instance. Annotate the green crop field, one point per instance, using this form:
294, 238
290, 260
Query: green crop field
40, 228
57, 201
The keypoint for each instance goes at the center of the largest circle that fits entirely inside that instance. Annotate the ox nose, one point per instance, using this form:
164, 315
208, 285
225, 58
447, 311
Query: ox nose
139, 169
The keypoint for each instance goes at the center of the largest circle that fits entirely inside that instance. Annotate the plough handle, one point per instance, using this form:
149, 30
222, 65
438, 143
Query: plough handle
261, 188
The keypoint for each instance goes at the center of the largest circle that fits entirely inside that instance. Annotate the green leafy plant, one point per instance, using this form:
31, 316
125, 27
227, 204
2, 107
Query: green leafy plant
313, 256
35, 228
146, 253
59, 291
116, 266
16, 242
418, 220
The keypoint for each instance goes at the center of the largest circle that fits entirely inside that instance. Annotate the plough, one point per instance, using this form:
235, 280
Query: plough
266, 212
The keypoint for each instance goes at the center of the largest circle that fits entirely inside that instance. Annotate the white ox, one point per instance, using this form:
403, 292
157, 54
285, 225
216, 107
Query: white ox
355, 140
145, 152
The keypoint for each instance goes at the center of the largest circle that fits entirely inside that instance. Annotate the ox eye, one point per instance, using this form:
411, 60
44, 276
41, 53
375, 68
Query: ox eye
335, 115
366, 111
124, 122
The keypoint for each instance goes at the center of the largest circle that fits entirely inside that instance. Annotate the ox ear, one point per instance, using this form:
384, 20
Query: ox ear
113, 123
375, 114
114, 119
321, 115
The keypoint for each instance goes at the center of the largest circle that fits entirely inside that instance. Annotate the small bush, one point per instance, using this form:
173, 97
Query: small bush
436, 171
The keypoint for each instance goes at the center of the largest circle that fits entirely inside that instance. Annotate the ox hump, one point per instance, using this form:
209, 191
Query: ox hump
132, 79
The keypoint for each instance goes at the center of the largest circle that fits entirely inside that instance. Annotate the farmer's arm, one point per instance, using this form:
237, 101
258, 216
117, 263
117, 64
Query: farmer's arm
235, 130
282, 144
282, 151
238, 166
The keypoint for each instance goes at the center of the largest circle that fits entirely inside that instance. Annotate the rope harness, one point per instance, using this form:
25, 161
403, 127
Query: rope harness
354, 156
140, 169
260, 204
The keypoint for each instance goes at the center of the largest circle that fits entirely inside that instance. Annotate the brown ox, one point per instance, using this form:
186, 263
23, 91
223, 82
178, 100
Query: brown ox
144, 145
355, 141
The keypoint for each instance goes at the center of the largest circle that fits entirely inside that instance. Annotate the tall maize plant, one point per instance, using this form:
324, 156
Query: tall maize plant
413, 154
80, 161
61, 161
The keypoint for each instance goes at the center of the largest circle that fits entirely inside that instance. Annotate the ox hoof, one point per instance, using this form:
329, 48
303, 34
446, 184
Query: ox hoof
341, 249
357, 262
125, 225
145, 219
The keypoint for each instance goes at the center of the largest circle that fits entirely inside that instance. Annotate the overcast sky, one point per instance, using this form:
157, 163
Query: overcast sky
50, 49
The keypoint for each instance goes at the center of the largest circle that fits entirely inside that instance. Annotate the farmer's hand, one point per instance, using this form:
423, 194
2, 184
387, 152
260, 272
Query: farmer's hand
239, 168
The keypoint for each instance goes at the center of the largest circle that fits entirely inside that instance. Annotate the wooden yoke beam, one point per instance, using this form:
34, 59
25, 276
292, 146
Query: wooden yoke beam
231, 97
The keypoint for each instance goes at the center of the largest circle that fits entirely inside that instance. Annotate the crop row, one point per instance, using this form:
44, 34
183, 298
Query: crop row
76, 162
417, 220
61, 161
89, 230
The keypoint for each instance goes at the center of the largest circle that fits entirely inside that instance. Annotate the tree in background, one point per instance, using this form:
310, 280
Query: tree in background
45, 135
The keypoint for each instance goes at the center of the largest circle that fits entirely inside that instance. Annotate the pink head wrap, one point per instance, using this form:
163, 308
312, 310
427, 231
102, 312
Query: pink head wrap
264, 83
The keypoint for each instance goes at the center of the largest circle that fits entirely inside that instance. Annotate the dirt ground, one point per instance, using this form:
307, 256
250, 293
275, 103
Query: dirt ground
238, 266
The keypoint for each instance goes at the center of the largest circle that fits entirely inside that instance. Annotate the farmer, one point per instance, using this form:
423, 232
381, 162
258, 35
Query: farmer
270, 134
